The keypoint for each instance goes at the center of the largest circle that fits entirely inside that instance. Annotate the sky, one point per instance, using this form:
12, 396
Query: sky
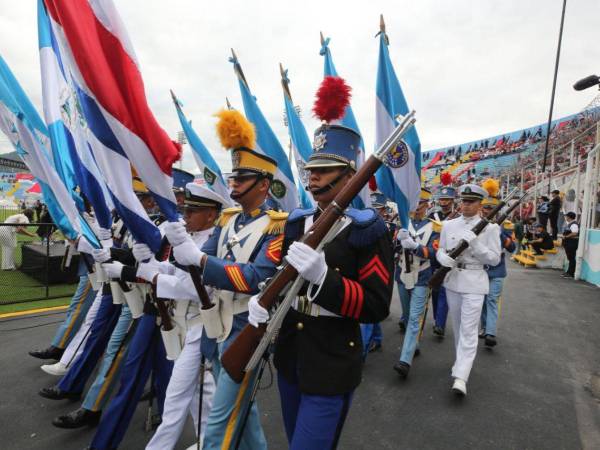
470, 69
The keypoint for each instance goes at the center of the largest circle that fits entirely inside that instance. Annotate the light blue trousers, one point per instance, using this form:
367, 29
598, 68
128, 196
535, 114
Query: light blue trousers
229, 405
418, 300
99, 392
489, 313
78, 308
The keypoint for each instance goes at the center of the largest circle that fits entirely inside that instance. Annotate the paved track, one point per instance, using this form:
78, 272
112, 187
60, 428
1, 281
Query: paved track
535, 390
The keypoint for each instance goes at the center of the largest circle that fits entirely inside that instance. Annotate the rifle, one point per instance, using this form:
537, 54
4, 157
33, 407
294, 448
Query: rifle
500, 220
438, 277
163, 312
241, 350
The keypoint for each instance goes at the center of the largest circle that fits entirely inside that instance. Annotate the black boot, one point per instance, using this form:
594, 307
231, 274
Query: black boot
54, 393
77, 419
490, 341
402, 368
438, 331
51, 352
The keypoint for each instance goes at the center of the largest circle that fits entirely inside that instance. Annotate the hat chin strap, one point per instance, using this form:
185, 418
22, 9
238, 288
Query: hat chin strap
330, 185
238, 196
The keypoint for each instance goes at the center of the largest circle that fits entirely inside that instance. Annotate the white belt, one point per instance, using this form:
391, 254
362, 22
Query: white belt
469, 266
303, 306
196, 320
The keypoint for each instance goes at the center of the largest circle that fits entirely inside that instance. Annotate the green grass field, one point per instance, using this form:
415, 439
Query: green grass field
26, 306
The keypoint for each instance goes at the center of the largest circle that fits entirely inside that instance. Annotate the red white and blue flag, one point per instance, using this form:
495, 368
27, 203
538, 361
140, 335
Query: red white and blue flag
112, 97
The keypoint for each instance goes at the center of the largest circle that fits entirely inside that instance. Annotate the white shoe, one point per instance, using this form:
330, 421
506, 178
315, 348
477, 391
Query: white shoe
459, 387
58, 369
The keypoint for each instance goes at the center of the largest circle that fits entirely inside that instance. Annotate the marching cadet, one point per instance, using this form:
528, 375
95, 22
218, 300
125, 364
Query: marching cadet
467, 283
421, 240
318, 354
243, 251
446, 209
497, 273
372, 334
201, 208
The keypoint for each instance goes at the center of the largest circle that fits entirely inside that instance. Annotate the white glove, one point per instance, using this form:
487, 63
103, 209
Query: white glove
256, 313
113, 269
187, 253
309, 263
468, 236
148, 270
403, 234
444, 259
103, 234
106, 243
175, 232
141, 252
101, 255
83, 246
409, 243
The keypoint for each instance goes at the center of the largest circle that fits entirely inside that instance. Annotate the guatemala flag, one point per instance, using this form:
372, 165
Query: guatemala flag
67, 136
23, 126
110, 89
400, 178
283, 188
206, 163
300, 142
363, 199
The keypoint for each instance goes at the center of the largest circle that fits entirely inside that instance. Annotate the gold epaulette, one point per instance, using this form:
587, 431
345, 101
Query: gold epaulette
508, 225
277, 222
437, 225
227, 214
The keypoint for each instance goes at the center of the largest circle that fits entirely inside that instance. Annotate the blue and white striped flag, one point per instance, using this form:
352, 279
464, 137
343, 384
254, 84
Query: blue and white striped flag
400, 180
65, 125
23, 126
301, 146
363, 199
206, 163
283, 188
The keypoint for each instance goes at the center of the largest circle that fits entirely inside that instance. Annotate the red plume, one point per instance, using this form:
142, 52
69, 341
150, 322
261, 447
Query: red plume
446, 178
373, 184
332, 98
179, 148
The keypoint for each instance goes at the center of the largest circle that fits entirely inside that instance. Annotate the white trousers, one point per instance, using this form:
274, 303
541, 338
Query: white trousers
465, 310
75, 347
8, 257
183, 396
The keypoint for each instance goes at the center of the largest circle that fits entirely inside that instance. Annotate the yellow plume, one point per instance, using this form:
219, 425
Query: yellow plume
492, 187
234, 130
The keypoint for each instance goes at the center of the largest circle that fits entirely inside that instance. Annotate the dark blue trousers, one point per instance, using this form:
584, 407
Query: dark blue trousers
312, 421
146, 354
440, 307
108, 314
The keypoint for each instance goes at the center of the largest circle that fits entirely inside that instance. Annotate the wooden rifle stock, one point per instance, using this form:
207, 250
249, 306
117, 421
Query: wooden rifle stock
200, 289
500, 220
240, 351
438, 276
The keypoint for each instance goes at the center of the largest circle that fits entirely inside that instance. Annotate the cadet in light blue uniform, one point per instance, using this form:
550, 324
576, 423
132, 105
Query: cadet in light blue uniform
244, 250
496, 274
421, 242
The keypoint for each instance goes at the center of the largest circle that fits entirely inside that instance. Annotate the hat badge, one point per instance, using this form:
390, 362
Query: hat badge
320, 141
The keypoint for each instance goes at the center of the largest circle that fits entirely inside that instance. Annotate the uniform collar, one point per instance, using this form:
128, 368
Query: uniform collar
199, 235
254, 213
475, 218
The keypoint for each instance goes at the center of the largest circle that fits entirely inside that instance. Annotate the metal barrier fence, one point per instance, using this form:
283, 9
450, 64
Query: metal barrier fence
32, 267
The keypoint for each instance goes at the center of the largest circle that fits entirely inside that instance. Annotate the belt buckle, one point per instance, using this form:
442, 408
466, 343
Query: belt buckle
305, 306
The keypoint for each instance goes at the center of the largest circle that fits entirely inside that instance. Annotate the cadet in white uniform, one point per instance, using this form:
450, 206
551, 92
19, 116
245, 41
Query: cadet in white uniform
201, 210
467, 283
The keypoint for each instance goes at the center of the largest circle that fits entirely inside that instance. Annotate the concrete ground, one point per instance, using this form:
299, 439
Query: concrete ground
538, 389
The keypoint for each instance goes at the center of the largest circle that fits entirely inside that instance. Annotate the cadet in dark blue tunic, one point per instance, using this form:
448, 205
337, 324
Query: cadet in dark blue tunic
318, 354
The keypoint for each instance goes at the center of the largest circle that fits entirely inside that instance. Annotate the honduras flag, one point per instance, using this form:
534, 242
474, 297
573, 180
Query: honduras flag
208, 166
300, 142
20, 122
122, 129
62, 114
363, 199
283, 188
400, 179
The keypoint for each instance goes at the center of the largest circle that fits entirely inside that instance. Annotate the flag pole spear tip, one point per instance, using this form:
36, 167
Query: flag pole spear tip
233, 54
281, 70
381, 23
322, 38
228, 104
